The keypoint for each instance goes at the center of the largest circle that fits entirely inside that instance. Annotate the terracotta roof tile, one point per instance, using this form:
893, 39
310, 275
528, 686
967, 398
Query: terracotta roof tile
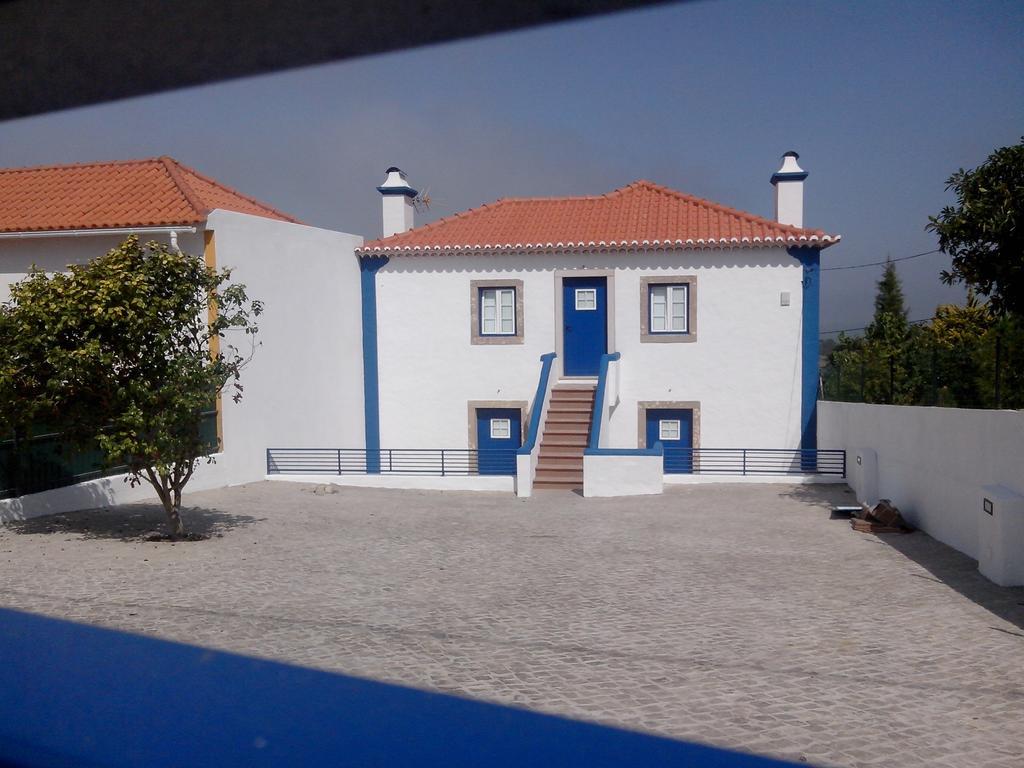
155, 192
641, 214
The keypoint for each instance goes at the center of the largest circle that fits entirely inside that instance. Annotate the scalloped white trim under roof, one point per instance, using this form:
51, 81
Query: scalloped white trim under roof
614, 245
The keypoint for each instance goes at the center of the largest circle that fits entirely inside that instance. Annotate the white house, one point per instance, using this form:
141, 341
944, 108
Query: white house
304, 384
693, 325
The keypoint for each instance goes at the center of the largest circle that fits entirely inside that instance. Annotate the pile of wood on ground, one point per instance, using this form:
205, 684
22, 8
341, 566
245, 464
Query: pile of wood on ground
884, 517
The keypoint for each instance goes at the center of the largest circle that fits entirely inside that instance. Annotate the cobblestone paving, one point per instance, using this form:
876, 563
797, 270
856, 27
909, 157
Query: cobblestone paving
739, 616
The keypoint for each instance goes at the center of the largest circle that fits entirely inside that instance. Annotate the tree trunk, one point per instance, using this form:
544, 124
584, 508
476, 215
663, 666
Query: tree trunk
174, 513
174, 518
170, 500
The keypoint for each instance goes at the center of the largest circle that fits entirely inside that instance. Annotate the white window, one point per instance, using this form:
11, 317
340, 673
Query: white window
586, 299
668, 429
501, 429
668, 308
498, 311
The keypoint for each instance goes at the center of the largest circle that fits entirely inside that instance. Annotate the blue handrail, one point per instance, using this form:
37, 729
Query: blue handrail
595, 419
538, 403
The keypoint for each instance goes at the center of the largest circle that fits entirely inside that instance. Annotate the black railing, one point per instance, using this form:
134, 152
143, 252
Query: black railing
440, 462
755, 461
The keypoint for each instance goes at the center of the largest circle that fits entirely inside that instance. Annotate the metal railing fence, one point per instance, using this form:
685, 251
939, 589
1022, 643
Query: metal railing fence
755, 461
440, 462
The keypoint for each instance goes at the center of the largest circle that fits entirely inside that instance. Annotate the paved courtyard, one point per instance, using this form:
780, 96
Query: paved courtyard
739, 616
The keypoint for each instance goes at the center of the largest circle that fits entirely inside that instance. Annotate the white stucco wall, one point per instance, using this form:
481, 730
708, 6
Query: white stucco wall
304, 386
933, 463
622, 475
54, 254
744, 368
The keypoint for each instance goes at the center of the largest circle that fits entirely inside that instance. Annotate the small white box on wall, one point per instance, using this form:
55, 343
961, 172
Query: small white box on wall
863, 474
784, 299
1001, 535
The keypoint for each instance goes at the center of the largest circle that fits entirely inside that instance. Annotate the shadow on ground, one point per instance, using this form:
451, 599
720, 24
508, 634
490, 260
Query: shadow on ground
944, 564
821, 494
130, 522
958, 571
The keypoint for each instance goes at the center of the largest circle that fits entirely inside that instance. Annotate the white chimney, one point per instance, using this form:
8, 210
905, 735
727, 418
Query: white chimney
789, 191
398, 206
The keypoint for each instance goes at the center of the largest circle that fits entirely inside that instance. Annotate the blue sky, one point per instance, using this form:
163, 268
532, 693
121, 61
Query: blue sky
882, 100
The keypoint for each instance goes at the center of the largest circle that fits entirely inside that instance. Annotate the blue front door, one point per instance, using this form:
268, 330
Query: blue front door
673, 428
585, 324
499, 432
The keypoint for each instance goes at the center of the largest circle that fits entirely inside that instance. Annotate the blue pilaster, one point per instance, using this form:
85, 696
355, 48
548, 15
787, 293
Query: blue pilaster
368, 268
810, 259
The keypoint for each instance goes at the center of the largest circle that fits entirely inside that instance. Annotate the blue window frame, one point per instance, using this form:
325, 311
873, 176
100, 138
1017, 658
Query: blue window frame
668, 308
497, 311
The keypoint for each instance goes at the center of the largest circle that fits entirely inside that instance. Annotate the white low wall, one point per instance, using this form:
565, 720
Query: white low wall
504, 483
613, 475
933, 463
104, 492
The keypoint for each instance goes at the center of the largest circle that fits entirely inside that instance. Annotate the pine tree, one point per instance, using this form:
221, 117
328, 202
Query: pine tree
890, 321
886, 343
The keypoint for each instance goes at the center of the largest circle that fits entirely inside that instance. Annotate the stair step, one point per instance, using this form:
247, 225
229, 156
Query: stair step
567, 428
559, 475
549, 485
578, 440
560, 451
567, 418
572, 394
574, 463
571, 406
577, 454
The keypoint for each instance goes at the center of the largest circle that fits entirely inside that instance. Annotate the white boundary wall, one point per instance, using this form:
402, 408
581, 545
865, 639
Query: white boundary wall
933, 463
104, 492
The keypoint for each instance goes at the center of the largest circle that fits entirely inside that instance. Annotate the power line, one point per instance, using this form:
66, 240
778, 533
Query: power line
864, 328
882, 263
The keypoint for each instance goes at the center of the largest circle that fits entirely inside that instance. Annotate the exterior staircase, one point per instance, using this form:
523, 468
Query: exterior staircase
565, 436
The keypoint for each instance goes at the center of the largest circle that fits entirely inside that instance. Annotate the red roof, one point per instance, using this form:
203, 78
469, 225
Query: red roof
641, 215
156, 192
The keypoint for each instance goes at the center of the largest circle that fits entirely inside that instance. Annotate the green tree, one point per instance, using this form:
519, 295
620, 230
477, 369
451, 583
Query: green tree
1000, 356
886, 343
889, 298
954, 341
984, 231
125, 351
889, 323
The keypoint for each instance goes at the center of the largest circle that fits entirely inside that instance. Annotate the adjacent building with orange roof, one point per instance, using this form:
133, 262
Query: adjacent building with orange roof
307, 279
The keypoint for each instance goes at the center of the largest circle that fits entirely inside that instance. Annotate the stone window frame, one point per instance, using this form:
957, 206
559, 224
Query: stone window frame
663, 337
475, 336
643, 406
521, 405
